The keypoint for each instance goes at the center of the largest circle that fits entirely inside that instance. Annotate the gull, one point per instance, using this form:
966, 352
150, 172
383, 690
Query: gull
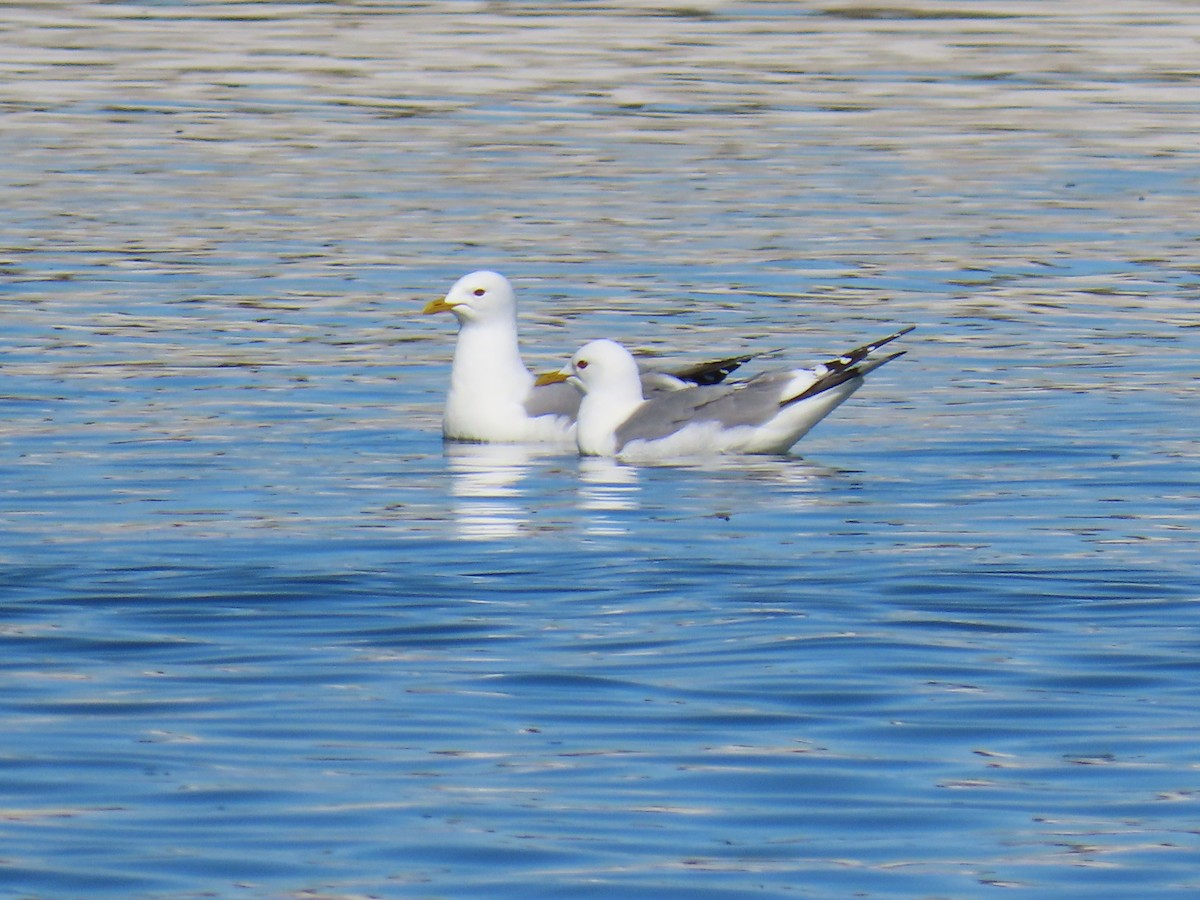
768, 413
493, 397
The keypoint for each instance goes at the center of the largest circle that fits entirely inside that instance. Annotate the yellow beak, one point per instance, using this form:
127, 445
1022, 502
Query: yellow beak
550, 378
437, 306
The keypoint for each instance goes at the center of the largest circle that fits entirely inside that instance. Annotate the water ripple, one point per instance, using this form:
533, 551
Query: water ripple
263, 634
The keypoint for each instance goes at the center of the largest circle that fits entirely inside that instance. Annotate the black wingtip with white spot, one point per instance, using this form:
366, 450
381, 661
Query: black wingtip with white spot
713, 372
849, 365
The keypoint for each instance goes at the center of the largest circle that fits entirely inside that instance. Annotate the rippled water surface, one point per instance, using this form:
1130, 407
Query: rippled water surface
263, 636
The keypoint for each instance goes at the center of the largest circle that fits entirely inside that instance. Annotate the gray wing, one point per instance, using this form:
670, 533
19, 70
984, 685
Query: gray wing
559, 399
752, 402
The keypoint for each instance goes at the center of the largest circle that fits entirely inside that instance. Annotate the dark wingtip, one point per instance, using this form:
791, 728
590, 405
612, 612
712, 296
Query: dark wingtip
714, 372
849, 366
875, 345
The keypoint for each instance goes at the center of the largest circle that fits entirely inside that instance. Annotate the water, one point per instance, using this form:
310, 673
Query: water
264, 637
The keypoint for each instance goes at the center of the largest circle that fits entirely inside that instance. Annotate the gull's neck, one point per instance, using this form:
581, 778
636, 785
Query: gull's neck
602, 411
486, 352
488, 381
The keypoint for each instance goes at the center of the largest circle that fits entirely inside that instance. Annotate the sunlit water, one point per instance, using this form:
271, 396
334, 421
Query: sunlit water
263, 636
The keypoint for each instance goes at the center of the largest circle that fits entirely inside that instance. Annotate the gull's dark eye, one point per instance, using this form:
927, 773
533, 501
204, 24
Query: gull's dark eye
582, 364
479, 292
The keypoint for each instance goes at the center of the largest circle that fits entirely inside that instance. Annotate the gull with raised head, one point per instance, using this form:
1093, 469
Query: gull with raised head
765, 414
493, 397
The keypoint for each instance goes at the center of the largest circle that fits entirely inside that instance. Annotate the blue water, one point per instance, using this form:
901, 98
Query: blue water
263, 635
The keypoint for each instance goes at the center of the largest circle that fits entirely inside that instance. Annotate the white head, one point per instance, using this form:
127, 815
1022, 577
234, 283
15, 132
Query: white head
612, 389
604, 367
480, 296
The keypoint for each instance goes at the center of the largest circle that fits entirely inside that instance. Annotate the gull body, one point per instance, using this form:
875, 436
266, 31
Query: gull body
765, 414
490, 397
493, 397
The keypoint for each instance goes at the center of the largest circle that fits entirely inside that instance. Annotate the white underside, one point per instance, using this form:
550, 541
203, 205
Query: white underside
488, 388
504, 423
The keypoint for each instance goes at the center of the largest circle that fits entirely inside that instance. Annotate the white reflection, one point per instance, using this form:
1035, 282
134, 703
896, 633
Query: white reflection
744, 484
486, 487
496, 492
606, 485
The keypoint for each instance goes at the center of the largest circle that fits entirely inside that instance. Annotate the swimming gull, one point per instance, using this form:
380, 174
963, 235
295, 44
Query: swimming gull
493, 397
765, 414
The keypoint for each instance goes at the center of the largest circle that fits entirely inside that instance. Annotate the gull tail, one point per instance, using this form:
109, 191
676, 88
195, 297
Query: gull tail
848, 366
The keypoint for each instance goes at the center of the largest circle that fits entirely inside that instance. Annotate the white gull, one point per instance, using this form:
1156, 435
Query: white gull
765, 414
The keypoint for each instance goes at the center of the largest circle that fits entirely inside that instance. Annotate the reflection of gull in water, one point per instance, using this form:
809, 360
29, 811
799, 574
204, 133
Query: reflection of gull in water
780, 483
779, 471
500, 491
491, 500
737, 489
777, 482
487, 489
605, 486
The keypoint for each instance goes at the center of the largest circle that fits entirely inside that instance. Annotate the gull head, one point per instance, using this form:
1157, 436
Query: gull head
612, 389
598, 367
478, 297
